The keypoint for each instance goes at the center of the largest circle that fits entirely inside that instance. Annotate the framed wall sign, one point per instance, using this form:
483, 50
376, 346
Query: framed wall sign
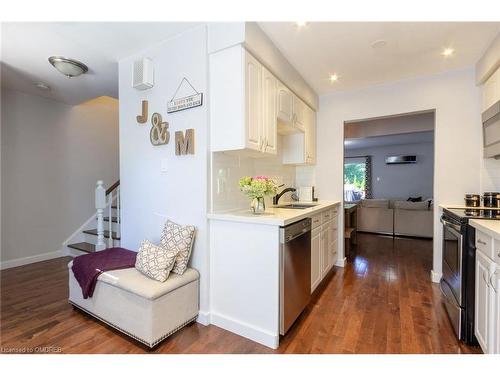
186, 102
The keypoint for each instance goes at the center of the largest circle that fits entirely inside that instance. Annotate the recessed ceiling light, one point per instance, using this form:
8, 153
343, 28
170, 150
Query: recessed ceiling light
42, 86
68, 67
300, 24
447, 52
334, 77
380, 43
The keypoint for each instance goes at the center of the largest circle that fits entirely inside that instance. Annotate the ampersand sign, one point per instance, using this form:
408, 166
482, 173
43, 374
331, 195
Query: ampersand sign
159, 134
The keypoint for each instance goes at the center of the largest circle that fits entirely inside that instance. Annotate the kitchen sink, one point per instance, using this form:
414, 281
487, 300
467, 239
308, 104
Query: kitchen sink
298, 206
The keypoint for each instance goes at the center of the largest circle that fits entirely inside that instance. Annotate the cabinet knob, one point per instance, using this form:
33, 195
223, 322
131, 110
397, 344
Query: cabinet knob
481, 242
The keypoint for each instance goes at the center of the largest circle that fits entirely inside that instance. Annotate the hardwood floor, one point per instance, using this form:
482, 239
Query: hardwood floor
381, 302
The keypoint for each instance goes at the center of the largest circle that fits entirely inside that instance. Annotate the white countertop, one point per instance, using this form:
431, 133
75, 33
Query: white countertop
273, 215
461, 206
491, 227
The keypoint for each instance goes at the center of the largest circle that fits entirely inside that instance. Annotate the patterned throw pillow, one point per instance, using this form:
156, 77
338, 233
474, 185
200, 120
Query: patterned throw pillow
178, 237
155, 261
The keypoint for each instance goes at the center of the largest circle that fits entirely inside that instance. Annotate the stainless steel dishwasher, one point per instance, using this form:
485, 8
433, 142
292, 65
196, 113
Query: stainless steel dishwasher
295, 271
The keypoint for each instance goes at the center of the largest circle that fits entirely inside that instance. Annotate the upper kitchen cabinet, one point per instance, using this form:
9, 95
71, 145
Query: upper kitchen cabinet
299, 113
269, 120
285, 104
300, 148
491, 90
310, 136
242, 103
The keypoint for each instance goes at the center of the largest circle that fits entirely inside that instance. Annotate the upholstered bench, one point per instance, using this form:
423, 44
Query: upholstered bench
144, 309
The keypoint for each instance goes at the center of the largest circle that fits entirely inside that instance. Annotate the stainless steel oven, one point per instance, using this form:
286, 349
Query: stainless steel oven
451, 282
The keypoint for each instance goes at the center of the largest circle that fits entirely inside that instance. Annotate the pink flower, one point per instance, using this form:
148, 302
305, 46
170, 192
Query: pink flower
259, 178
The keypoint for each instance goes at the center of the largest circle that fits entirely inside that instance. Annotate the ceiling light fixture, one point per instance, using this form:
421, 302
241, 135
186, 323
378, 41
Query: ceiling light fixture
69, 67
301, 24
380, 43
447, 52
334, 77
42, 86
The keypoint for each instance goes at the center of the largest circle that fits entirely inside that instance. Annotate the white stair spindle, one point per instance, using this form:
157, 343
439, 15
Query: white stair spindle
110, 222
100, 205
118, 213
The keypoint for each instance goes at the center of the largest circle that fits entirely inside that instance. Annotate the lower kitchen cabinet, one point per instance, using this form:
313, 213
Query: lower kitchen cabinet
324, 245
482, 301
315, 258
487, 293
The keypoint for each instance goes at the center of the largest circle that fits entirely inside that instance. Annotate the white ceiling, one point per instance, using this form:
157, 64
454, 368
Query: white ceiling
345, 48
27, 46
389, 140
316, 51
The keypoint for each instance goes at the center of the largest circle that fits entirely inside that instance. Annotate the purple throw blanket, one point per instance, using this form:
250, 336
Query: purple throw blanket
88, 267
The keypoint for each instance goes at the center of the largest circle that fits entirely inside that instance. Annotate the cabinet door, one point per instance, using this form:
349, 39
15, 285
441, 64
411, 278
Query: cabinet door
315, 260
310, 136
495, 279
269, 120
285, 103
324, 251
253, 98
482, 302
299, 113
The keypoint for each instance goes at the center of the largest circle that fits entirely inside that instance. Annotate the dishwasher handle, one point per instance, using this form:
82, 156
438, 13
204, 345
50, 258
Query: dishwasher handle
295, 230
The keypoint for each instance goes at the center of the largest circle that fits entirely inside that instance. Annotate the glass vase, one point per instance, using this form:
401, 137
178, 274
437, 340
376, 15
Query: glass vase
258, 206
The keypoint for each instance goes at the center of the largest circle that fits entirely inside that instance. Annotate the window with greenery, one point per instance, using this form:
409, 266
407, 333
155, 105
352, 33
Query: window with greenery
355, 179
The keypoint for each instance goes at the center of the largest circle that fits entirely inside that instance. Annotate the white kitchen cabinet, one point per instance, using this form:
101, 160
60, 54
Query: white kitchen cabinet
299, 114
487, 288
242, 104
323, 245
315, 259
310, 136
300, 148
253, 102
482, 301
491, 90
285, 104
495, 283
269, 120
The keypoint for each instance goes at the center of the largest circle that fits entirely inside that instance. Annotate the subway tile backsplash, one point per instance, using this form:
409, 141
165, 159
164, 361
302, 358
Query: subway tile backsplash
228, 168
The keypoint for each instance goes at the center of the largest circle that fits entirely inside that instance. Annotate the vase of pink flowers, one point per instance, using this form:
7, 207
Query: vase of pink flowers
256, 188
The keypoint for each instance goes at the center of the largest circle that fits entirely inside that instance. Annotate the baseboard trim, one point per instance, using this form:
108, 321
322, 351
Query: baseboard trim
341, 262
435, 276
32, 259
203, 318
246, 330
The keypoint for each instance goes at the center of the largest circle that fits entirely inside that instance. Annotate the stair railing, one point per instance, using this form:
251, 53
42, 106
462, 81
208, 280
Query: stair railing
104, 199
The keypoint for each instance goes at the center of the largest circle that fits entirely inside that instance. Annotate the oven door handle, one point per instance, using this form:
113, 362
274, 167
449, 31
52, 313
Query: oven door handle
451, 225
445, 295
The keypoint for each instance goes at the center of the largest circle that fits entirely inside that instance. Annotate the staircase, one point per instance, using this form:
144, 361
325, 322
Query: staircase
102, 230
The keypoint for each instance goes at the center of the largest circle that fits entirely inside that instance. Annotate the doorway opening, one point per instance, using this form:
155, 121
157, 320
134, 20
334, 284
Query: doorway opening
389, 180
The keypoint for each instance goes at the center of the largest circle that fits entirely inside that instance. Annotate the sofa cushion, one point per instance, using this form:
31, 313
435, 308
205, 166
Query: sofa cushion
405, 205
133, 281
155, 261
178, 237
375, 203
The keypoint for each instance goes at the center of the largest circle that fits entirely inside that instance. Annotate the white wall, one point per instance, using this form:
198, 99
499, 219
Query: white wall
52, 156
456, 100
150, 196
400, 180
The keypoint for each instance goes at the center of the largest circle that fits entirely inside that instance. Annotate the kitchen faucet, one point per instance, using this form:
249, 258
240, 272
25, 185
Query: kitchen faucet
277, 197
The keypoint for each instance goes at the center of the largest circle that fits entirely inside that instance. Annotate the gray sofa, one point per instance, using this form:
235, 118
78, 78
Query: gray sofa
395, 217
